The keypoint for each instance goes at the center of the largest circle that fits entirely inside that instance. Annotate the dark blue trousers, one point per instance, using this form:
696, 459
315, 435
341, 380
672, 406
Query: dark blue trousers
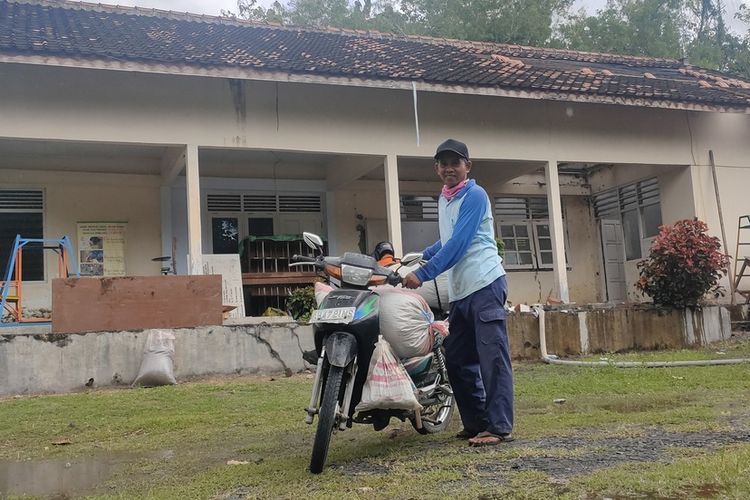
478, 360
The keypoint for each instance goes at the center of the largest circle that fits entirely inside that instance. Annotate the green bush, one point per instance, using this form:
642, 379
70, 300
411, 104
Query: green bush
500, 246
683, 265
301, 303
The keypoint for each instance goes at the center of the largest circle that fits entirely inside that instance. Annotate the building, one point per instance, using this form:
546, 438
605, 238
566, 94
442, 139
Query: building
198, 131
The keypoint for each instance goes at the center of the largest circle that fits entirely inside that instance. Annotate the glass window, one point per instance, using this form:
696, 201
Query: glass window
523, 224
225, 234
651, 220
637, 206
28, 225
632, 234
518, 250
528, 244
260, 226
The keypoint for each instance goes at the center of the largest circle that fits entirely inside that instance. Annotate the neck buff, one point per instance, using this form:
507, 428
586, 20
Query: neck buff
450, 193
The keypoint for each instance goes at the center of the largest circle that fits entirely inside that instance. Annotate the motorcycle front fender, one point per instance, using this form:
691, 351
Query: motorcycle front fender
340, 348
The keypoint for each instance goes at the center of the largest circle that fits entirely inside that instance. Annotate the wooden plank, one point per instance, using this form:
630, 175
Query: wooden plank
279, 278
134, 303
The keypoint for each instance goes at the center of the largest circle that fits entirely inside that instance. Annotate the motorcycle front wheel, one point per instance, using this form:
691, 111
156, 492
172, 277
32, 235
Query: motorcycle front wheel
326, 419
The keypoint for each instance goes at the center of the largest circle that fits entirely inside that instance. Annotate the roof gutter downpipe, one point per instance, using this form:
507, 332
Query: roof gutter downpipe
416, 109
554, 360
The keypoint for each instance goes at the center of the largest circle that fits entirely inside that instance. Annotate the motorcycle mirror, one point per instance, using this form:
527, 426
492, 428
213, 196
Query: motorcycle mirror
411, 258
312, 240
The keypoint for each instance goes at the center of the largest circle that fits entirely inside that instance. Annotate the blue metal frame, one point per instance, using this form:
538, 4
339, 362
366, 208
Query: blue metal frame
62, 244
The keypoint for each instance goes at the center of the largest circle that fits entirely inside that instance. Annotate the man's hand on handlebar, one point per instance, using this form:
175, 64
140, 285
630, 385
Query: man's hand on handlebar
411, 281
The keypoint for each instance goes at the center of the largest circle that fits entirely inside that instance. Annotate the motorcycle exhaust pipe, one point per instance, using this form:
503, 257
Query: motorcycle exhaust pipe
418, 418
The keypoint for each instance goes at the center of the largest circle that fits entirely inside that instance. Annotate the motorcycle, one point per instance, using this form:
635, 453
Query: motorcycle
346, 328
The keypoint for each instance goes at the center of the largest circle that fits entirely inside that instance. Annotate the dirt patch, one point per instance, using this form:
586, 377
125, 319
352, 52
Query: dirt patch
564, 457
653, 445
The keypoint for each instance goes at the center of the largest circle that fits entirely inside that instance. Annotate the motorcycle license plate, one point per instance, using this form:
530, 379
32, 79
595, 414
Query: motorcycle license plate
333, 315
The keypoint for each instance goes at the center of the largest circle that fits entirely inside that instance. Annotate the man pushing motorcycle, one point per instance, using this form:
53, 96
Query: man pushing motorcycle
477, 351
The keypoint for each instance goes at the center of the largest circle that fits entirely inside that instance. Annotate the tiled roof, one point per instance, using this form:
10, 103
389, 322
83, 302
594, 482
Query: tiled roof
84, 31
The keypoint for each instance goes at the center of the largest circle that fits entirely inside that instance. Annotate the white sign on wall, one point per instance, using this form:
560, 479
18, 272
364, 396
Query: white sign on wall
101, 248
228, 266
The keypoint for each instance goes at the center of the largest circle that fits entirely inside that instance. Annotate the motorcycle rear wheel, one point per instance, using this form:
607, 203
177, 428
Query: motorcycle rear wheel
326, 419
441, 412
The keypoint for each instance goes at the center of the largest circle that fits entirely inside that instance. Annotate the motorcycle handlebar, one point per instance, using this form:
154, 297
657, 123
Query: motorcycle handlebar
393, 279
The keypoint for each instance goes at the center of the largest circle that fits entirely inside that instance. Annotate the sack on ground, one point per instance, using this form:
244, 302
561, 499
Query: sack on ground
407, 322
388, 386
157, 367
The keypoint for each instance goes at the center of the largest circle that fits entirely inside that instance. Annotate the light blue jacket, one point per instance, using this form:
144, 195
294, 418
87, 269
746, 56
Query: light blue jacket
467, 247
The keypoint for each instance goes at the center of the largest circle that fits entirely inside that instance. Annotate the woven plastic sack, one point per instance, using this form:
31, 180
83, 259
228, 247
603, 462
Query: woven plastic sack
321, 292
388, 386
157, 367
407, 322
435, 292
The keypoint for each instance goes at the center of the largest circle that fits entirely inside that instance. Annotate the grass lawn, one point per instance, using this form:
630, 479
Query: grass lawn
621, 433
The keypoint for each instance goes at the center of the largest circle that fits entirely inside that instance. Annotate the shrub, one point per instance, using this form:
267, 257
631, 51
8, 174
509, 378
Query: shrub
301, 303
684, 264
500, 247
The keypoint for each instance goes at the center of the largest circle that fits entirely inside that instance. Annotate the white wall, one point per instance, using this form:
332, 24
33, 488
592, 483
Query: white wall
117, 106
71, 197
98, 105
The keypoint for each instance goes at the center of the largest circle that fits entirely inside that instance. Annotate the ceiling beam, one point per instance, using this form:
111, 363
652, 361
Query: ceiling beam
343, 171
173, 162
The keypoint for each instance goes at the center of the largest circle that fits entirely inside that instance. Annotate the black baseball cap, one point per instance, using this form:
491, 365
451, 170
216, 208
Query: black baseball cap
455, 146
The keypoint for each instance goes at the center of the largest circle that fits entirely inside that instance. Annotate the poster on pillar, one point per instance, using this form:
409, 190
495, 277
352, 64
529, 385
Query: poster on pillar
101, 248
228, 266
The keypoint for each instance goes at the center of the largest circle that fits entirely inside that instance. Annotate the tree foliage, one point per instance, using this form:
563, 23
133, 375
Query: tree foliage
636, 27
693, 29
509, 21
683, 265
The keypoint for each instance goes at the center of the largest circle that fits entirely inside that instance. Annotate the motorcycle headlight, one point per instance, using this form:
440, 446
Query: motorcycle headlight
358, 276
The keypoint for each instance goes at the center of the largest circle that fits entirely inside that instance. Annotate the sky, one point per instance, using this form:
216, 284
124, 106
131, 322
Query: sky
214, 7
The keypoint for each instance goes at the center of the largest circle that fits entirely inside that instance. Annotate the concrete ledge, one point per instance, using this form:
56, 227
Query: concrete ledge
40, 363
602, 328
37, 362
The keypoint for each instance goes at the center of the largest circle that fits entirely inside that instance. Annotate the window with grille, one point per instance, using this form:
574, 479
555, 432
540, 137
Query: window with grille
523, 225
234, 216
638, 207
419, 208
22, 212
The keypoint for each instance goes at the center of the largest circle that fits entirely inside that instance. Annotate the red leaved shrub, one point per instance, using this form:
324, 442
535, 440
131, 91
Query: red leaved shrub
684, 264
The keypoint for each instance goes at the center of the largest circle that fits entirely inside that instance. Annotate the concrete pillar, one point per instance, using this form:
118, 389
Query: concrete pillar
393, 203
554, 203
165, 193
330, 226
193, 189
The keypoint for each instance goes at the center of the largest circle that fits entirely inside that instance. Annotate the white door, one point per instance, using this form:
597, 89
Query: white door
613, 251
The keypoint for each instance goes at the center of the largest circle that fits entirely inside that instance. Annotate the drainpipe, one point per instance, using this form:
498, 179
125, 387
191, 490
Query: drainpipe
554, 360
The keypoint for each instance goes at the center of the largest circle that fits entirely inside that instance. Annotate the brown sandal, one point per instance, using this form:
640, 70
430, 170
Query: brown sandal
488, 439
464, 434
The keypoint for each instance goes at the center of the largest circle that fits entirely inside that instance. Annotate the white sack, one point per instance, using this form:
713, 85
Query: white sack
157, 367
388, 386
407, 322
321, 291
435, 292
